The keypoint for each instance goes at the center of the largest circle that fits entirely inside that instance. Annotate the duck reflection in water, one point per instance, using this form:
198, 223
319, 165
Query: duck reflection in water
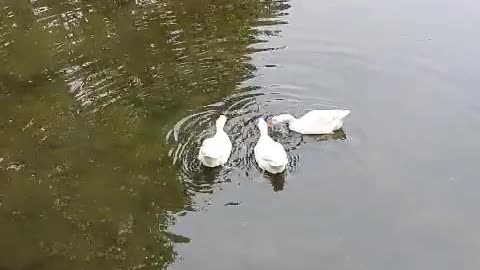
204, 179
337, 135
277, 181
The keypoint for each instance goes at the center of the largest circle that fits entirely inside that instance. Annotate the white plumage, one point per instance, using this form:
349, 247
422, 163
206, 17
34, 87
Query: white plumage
314, 122
216, 150
269, 154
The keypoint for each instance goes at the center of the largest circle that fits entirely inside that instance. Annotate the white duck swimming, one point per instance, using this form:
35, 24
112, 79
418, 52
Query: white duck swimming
269, 154
216, 150
314, 122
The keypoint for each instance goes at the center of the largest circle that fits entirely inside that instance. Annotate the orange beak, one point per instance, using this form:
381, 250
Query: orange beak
269, 124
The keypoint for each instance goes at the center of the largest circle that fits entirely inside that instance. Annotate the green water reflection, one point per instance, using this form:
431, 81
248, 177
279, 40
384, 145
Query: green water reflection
88, 90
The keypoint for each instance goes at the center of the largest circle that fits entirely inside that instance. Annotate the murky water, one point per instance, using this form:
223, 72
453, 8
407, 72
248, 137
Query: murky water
103, 105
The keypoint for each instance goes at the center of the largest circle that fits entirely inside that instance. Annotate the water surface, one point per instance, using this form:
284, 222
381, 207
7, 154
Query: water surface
104, 103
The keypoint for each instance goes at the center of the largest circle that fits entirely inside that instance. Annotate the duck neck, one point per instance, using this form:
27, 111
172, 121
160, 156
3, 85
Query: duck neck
219, 125
263, 130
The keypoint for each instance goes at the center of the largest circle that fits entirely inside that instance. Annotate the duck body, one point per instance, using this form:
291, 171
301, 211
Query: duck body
314, 122
269, 154
216, 150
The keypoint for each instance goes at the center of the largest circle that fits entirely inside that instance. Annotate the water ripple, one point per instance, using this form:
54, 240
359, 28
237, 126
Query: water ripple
242, 111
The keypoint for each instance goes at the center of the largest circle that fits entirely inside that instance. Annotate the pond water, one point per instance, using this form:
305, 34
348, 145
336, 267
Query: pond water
103, 105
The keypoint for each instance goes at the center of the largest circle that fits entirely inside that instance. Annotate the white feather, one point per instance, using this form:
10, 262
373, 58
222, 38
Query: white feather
216, 150
269, 154
314, 122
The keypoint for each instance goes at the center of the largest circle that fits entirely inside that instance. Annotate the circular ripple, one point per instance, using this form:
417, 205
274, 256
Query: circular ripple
242, 111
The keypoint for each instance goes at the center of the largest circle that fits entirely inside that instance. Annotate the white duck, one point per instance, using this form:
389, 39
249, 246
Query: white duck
269, 154
216, 150
314, 122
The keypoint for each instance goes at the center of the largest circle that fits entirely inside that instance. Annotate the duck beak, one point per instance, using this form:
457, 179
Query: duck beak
269, 124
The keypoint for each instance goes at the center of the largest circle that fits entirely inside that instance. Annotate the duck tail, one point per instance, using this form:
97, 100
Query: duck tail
210, 154
344, 114
278, 163
210, 162
277, 168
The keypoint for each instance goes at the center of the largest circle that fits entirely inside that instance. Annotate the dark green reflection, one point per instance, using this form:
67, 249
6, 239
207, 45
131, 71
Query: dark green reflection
87, 91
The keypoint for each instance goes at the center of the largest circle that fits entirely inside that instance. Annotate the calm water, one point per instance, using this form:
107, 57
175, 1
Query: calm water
103, 105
